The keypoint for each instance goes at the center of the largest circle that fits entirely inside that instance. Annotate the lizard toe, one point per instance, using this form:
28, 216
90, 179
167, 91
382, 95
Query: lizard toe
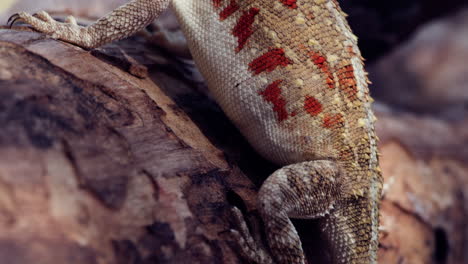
40, 21
250, 247
71, 20
44, 16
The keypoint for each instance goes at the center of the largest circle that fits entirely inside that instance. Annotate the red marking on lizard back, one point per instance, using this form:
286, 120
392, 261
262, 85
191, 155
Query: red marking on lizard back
272, 94
269, 61
312, 106
229, 10
321, 62
333, 121
348, 82
217, 3
243, 29
289, 3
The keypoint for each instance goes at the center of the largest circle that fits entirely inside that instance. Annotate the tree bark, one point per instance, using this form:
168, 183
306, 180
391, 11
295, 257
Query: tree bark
100, 166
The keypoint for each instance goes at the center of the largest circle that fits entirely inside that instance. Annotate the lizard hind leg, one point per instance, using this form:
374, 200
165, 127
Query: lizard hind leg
303, 190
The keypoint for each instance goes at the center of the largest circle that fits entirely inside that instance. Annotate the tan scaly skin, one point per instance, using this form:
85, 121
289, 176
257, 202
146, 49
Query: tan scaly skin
289, 75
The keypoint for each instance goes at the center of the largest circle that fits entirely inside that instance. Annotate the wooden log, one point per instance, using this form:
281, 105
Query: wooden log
100, 166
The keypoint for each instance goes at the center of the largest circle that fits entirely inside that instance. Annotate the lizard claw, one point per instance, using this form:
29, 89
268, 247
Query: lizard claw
12, 20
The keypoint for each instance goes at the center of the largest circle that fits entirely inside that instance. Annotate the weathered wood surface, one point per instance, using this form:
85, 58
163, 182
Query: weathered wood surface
99, 166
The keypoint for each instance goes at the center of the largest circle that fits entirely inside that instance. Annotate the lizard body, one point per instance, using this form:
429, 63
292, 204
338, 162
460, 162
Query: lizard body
289, 75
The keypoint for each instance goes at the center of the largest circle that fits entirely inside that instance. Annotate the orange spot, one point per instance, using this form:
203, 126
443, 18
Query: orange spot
272, 94
333, 121
243, 29
322, 64
229, 10
312, 106
348, 82
269, 61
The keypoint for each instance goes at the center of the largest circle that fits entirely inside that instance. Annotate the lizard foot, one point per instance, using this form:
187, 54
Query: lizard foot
251, 248
40, 21
68, 31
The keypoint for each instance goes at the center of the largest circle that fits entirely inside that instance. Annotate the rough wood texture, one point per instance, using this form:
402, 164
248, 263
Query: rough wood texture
99, 166
92, 170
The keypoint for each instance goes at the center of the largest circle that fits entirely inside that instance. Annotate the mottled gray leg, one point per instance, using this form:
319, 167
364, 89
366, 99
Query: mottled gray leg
304, 190
120, 23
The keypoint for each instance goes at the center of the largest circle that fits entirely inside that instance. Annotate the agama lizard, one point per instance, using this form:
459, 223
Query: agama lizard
289, 75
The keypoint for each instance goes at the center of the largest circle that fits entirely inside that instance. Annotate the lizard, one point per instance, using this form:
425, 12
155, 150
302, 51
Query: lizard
290, 76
